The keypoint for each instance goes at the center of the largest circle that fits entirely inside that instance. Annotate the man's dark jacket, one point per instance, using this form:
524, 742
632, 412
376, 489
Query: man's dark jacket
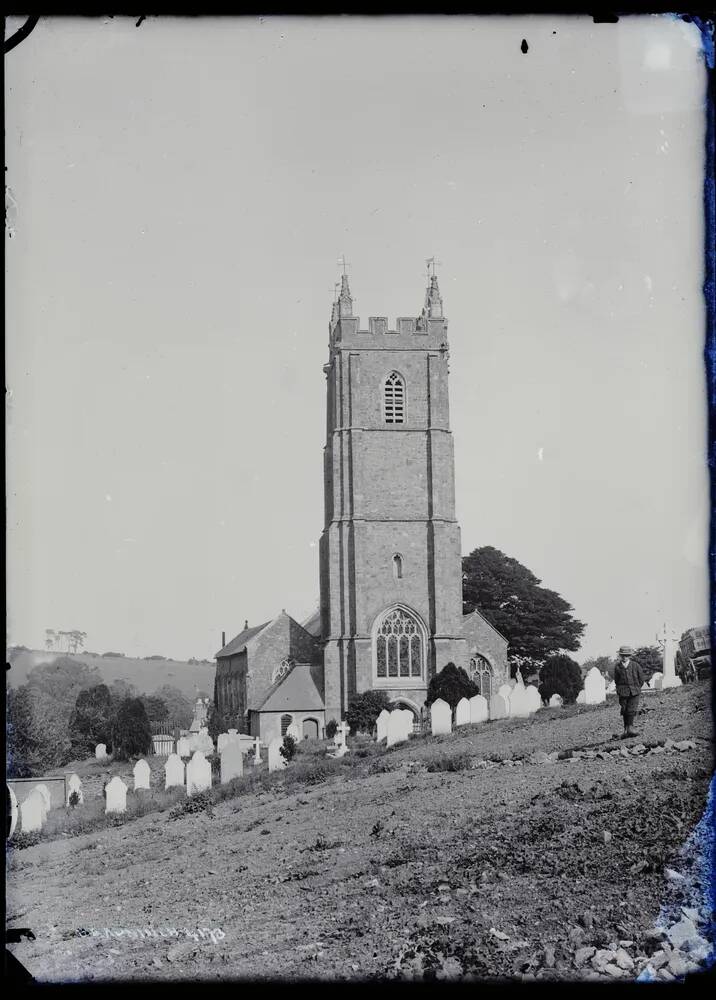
628, 679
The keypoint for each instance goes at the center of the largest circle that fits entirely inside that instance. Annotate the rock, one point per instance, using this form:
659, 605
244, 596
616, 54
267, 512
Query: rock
673, 876
613, 970
576, 936
677, 964
587, 919
685, 745
665, 974
583, 955
657, 750
683, 932
549, 956
626, 944
692, 914
606, 836
500, 935
603, 957
654, 934
624, 960
658, 960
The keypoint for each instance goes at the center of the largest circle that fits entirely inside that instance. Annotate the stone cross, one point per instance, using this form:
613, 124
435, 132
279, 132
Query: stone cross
668, 640
257, 751
342, 731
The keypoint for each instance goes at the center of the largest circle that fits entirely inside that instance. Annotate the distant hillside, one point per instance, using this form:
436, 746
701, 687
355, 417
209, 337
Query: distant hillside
146, 675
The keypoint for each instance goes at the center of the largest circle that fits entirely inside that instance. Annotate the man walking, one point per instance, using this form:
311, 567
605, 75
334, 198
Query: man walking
628, 678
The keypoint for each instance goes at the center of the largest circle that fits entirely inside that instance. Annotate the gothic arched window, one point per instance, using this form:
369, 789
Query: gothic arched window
399, 646
286, 721
481, 673
398, 566
394, 399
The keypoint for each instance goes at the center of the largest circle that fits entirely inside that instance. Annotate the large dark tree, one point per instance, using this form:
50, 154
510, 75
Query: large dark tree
91, 720
451, 684
650, 659
560, 675
535, 621
131, 736
155, 707
180, 710
364, 709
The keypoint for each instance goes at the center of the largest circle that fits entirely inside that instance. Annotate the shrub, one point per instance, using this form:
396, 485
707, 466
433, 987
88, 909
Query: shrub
201, 802
131, 735
74, 799
364, 709
91, 720
455, 762
332, 729
288, 748
560, 675
452, 685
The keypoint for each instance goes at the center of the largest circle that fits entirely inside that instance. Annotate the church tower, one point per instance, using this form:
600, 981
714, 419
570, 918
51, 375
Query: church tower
390, 555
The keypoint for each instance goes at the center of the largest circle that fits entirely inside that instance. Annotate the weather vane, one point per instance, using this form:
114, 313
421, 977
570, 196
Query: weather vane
432, 263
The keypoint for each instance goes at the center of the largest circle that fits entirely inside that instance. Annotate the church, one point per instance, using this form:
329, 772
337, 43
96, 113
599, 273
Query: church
390, 613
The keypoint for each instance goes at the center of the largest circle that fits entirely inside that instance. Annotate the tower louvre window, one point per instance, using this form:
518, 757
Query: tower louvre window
394, 399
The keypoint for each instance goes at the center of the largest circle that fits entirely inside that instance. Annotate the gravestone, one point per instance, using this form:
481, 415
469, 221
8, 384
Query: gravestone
440, 718
381, 725
556, 701
275, 761
499, 707
198, 773
582, 697
479, 709
257, 752
173, 771
74, 784
519, 703
45, 793
100, 751
13, 811
396, 728
505, 690
233, 732
595, 687
655, 681
294, 731
232, 762
534, 702
462, 712
142, 775
32, 812
183, 749
221, 741
409, 720
116, 792
204, 742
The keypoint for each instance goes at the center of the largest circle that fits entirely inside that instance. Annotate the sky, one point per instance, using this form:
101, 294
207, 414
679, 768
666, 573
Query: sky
179, 196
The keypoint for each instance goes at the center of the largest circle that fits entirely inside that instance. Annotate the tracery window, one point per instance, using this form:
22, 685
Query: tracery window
286, 721
394, 399
399, 646
281, 670
481, 673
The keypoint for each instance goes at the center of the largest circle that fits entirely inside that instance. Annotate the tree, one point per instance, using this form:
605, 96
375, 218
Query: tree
91, 720
363, 710
37, 736
218, 723
131, 735
155, 707
650, 659
288, 748
180, 709
604, 664
452, 685
561, 675
535, 621
119, 691
332, 727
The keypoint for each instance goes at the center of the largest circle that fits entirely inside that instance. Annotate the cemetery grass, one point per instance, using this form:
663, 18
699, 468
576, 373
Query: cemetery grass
409, 863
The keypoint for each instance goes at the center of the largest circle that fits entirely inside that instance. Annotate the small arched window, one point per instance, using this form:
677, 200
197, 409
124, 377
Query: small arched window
394, 399
398, 566
286, 721
481, 674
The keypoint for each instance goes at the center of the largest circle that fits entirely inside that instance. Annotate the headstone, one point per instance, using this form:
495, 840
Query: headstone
45, 793
13, 811
198, 773
275, 761
506, 690
409, 721
221, 741
32, 812
173, 771
396, 728
519, 703
462, 712
595, 687
116, 791
74, 784
534, 702
479, 709
582, 697
257, 751
100, 751
556, 701
142, 775
183, 750
233, 732
440, 718
232, 762
655, 681
499, 707
382, 725
294, 731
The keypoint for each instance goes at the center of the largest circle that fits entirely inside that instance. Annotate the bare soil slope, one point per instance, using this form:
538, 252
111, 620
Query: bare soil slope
388, 868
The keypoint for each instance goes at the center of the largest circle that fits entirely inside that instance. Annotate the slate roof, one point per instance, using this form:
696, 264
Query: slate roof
298, 691
238, 644
476, 612
313, 623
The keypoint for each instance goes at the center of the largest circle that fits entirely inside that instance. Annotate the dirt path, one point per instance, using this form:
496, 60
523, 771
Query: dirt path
505, 871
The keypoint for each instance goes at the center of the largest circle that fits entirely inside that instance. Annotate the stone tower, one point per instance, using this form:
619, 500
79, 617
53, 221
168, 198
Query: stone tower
390, 556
